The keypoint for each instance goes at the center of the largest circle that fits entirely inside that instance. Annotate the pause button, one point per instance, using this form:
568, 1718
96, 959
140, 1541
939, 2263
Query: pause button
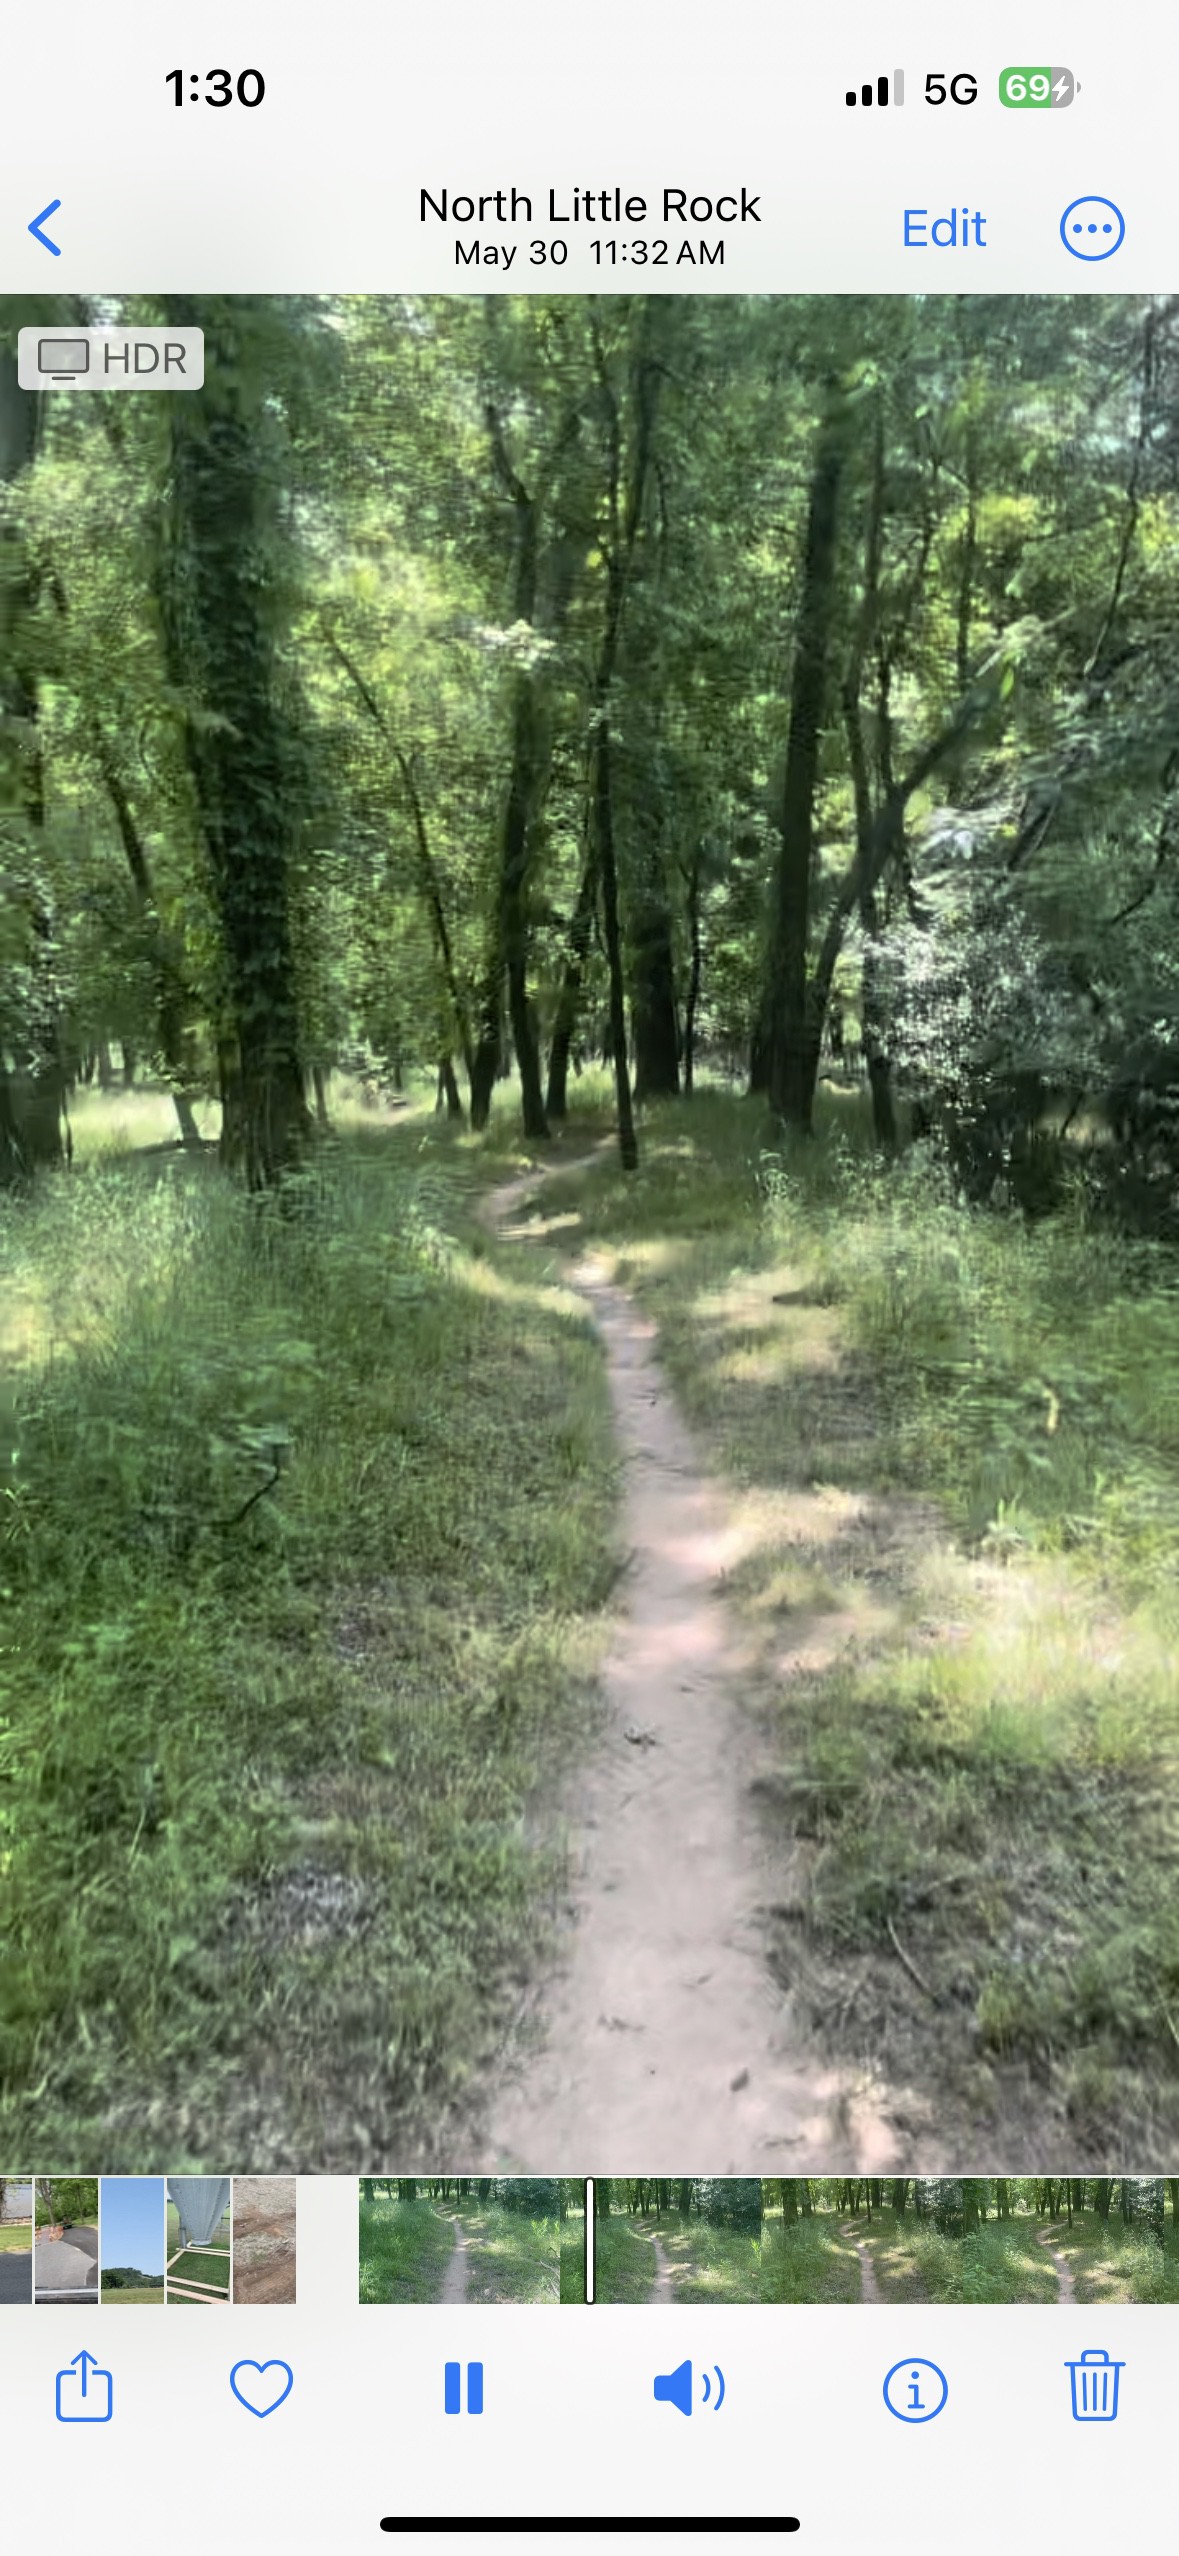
453, 2387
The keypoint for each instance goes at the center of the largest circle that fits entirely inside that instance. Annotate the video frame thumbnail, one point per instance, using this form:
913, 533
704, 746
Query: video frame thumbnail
588, 1103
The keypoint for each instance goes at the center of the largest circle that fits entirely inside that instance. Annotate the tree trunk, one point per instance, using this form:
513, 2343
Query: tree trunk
169, 990
427, 875
604, 816
692, 1003
517, 827
873, 1033
792, 1031
488, 1056
31, 1110
509, 928
221, 572
872, 1019
653, 1014
569, 999
448, 1089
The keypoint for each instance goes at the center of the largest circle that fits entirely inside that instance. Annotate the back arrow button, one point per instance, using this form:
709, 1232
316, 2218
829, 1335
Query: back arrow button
43, 236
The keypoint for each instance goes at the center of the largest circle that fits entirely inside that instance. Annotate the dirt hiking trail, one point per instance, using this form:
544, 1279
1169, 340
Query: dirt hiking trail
1068, 2287
869, 2292
456, 2279
661, 2293
661, 2034
263, 2240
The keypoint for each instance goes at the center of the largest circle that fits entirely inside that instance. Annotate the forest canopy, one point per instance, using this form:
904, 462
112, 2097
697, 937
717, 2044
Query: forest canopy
461, 680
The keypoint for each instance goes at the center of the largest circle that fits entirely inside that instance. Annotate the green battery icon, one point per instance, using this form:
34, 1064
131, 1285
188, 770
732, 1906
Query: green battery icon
1036, 84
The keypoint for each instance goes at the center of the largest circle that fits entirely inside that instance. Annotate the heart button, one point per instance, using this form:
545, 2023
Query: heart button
261, 2385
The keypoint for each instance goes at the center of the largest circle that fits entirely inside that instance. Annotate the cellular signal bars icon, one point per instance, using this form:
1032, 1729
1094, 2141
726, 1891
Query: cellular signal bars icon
876, 92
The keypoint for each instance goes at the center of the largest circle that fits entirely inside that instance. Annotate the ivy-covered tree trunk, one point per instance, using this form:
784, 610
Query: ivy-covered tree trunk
221, 576
32, 1076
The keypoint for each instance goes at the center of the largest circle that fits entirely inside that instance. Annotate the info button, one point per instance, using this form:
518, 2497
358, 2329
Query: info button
953, 226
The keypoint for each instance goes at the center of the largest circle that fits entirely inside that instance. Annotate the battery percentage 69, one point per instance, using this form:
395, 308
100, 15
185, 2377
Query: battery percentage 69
1027, 84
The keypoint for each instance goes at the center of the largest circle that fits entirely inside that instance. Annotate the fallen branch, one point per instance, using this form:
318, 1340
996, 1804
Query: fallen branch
225, 1524
906, 1964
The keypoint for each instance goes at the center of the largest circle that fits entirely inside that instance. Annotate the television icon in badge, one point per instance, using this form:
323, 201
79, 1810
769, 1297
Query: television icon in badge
63, 358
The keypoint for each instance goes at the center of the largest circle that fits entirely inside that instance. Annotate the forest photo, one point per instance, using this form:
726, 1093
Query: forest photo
840, 2242
589, 1212
497, 2241
1059, 2241
696, 2242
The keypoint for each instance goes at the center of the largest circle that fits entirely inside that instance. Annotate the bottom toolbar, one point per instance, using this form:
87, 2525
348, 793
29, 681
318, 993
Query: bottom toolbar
852, 2415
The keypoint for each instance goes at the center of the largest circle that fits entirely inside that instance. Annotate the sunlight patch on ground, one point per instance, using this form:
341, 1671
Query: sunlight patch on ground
125, 1121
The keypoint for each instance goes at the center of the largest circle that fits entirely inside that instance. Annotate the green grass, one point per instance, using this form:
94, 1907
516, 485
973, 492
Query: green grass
274, 1778
1111, 2263
573, 2259
220, 2235
912, 2260
134, 2298
16, 2239
952, 1445
511, 2261
405, 2247
211, 2271
1002, 2261
809, 2262
118, 1121
624, 2263
707, 2266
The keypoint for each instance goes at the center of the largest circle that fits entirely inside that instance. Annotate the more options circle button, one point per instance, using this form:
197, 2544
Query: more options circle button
1092, 227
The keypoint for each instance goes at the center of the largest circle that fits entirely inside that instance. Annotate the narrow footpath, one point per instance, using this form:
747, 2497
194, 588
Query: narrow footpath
456, 2279
662, 2292
1068, 2287
661, 2033
869, 2291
